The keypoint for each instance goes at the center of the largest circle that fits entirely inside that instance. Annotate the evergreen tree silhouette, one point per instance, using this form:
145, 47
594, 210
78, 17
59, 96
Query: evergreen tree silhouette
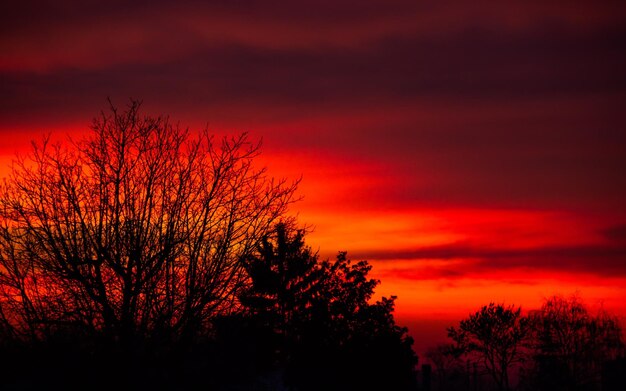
331, 336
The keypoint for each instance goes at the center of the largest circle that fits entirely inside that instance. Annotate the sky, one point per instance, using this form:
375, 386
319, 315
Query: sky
470, 151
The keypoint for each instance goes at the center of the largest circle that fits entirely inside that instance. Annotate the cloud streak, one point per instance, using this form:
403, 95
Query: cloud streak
594, 259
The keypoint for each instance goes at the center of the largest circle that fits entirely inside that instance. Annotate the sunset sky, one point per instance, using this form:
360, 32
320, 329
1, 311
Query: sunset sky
471, 151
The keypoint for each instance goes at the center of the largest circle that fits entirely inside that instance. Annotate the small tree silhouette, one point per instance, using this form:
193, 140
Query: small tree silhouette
495, 336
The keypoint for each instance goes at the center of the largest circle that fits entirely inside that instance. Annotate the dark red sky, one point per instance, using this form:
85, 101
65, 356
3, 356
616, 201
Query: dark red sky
471, 151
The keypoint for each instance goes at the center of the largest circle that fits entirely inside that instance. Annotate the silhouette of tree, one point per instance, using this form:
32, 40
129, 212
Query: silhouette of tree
495, 336
331, 336
283, 277
572, 345
138, 230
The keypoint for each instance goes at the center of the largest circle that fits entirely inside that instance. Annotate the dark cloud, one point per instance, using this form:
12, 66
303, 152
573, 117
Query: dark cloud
615, 233
499, 104
469, 67
104, 49
476, 260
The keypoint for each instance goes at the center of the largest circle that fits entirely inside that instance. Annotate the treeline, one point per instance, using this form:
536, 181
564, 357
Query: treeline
300, 324
148, 256
561, 346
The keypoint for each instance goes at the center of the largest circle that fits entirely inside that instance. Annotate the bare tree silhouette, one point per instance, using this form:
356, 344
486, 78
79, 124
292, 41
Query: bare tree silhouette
138, 230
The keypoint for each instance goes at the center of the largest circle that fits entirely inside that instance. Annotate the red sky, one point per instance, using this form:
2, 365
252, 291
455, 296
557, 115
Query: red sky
472, 152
